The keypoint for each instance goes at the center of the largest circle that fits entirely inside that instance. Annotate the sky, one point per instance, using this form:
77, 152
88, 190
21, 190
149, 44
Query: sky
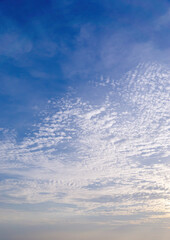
84, 119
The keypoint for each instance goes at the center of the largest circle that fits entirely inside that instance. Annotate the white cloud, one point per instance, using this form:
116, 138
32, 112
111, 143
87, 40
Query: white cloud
107, 158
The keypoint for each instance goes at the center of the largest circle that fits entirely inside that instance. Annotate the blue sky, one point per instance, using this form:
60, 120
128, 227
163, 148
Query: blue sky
84, 120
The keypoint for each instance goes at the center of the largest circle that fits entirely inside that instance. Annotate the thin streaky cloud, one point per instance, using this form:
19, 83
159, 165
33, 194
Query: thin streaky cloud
114, 154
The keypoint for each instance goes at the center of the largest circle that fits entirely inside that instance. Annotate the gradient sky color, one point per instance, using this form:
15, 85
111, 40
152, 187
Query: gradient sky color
84, 120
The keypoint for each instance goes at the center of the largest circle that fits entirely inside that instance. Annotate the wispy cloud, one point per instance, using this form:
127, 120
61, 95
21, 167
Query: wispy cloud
104, 158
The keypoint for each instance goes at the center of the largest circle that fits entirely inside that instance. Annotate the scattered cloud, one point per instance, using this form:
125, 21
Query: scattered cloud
107, 158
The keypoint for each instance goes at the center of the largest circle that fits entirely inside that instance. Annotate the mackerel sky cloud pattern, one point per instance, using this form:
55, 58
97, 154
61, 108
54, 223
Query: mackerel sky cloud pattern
114, 153
84, 142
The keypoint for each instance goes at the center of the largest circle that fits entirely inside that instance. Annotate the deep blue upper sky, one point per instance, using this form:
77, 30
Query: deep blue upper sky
46, 46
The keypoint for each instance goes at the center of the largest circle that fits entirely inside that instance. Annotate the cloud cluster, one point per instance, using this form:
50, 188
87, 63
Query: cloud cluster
108, 158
